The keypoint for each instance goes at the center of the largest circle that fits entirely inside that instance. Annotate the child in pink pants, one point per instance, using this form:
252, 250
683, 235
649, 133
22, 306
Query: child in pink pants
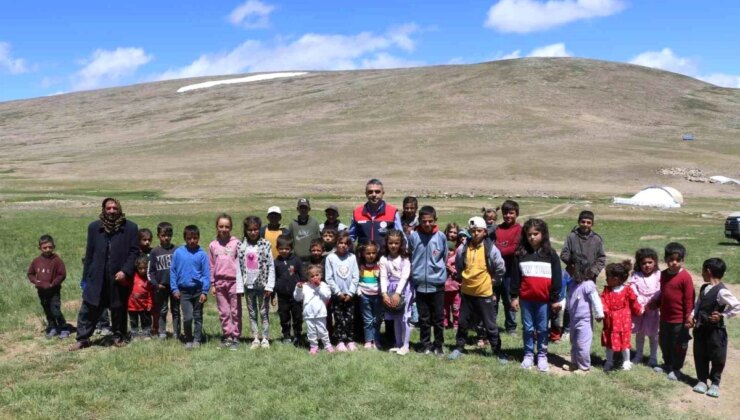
222, 258
452, 286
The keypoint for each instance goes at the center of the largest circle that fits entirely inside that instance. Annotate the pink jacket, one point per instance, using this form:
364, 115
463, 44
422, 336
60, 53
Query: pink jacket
451, 285
222, 259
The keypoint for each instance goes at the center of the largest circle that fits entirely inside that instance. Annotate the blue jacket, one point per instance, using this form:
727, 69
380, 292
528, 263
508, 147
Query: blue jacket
428, 261
190, 270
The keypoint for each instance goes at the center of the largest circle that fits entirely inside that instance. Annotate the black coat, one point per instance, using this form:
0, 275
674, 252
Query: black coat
124, 248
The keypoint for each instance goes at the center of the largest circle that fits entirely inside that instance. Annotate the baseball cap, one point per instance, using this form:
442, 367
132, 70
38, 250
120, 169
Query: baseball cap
476, 222
332, 207
303, 202
274, 209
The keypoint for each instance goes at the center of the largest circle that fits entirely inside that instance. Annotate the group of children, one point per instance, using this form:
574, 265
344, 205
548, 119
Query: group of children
454, 279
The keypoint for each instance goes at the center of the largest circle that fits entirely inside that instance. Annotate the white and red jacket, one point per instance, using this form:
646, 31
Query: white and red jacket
536, 277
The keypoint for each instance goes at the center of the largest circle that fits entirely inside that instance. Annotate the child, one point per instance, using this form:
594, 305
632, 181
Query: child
255, 274
140, 301
409, 220
490, 215
342, 276
480, 268
452, 284
618, 301
328, 240
395, 269
508, 234
428, 247
47, 272
318, 255
369, 291
288, 273
160, 261
582, 301
583, 241
225, 287
715, 304
645, 282
145, 241
303, 230
676, 303
536, 279
314, 294
332, 220
273, 229
190, 280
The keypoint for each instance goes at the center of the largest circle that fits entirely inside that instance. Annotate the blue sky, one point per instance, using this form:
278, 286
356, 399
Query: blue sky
50, 47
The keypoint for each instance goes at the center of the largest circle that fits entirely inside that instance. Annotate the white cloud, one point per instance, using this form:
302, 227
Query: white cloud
10, 64
524, 16
309, 52
552, 50
666, 59
253, 14
107, 68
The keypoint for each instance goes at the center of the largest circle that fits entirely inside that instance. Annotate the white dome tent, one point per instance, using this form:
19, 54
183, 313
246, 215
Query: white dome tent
654, 196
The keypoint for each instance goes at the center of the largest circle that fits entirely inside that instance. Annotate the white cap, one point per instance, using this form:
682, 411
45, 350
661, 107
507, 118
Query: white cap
274, 209
476, 222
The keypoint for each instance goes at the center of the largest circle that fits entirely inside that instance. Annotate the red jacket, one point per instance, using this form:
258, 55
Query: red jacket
141, 295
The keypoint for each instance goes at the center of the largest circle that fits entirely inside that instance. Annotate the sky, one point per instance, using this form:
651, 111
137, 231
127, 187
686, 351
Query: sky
55, 47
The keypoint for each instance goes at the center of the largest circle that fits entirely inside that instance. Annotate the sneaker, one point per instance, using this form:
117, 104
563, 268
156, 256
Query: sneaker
608, 366
224, 344
286, 340
636, 359
626, 365
188, 346
105, 332
701, 388
97, 331
330, 349
341, 347
713, 391
368, 345
255, 344
265, 344
393, 350
427, 352
79, 345
528, 361
51, 334
234, 345
352, 346
439, 352
456, 354
501, 357
672, 376
314, 350
162, 336
403, 351
653, 363
658, 369
64, 334
542, 364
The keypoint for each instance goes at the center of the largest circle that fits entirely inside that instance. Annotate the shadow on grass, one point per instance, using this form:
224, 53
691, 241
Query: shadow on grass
728, 243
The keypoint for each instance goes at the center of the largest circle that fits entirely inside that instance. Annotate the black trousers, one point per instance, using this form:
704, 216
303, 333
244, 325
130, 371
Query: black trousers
192, 313
431, 316
291, 313
88, 318
674, 341
344, 324
166, 302
51, 302
710, 347
474, 308
141, 322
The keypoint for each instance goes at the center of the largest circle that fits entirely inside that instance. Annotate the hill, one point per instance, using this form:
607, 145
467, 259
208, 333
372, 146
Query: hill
556, 125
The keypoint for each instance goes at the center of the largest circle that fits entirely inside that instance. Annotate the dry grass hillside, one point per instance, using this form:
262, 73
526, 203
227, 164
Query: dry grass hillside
561, 126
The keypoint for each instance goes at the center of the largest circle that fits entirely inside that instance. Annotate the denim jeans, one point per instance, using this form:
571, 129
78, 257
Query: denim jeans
534, 319
371, 315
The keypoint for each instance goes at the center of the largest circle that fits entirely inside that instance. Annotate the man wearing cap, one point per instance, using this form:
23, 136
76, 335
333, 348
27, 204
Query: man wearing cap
112, 248
273, 229
372, 220
332, 220
303, 230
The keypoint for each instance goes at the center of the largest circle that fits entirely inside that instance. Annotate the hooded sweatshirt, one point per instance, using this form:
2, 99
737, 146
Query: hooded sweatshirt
47, 272
428, 260
590, 246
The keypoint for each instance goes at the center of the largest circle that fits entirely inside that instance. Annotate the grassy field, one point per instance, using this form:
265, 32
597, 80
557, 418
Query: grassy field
159, 379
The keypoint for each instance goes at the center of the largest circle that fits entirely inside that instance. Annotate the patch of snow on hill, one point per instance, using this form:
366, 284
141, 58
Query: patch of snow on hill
247, 79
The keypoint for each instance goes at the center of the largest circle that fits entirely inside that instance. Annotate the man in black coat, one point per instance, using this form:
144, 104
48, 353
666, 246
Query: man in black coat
112, 248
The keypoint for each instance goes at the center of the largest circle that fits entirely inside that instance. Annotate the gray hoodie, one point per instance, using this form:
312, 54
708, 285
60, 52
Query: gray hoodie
590, 247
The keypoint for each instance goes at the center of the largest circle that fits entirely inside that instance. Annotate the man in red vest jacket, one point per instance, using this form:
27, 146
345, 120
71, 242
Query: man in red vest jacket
372, 220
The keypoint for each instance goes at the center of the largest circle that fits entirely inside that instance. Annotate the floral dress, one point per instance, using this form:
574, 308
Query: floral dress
620, 303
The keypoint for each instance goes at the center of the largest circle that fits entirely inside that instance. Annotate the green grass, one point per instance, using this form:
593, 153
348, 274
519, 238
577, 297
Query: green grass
153, 379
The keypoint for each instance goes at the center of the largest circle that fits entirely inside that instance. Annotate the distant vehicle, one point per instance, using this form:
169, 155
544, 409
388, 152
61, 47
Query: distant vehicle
732, 226
688, 137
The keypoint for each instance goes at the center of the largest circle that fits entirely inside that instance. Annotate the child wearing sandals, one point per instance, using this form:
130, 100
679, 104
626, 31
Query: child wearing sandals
645, 282
395, 269
619, 300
